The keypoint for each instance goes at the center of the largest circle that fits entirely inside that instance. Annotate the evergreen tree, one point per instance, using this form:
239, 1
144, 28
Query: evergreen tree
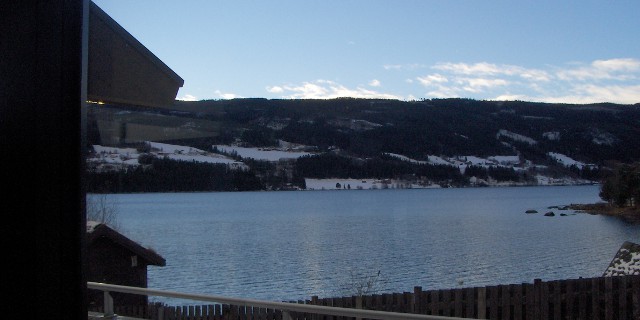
622, 187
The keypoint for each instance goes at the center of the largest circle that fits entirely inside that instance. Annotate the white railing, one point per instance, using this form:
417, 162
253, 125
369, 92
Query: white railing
285, 307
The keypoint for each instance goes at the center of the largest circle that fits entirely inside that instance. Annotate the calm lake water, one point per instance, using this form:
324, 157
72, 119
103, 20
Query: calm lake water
293, 245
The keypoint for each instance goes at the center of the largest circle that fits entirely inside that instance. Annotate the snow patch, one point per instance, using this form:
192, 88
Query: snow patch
505, 160
552, 135
603, 138
112, 158
362, 184
405, 158
91, 225
566, 160
626, 262
438, 160
265, 154
354, 124
515, 137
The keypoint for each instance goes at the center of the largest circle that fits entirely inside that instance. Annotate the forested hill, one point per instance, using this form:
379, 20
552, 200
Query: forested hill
593, 133
445, 142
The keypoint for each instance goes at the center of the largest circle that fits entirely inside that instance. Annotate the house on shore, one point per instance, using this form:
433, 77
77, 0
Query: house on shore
115, 259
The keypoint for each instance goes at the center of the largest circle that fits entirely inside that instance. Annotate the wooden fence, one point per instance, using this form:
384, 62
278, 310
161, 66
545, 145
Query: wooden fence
605, 298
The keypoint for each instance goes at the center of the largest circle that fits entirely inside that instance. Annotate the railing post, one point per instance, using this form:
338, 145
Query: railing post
108, 303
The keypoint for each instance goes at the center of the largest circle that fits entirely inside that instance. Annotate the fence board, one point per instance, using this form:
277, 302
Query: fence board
517, 302
446, 300
582, 299
635, 297
505, 303
595, 299
416, 300
434, 302
482, 303
492, 295
544, 300
608, 299
622, 299
470, 303
458, 302
557, 300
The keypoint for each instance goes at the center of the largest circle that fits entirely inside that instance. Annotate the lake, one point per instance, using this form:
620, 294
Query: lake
292, 245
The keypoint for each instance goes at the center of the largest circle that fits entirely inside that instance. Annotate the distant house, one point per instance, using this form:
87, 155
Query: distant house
115, 259
626, 261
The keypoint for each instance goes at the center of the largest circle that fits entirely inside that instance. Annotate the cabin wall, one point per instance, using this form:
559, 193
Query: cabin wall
111, 263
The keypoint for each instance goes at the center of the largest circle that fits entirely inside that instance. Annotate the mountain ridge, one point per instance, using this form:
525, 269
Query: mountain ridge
554, 140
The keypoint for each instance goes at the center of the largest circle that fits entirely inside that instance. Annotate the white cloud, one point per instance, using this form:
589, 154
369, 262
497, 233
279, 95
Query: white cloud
482, 68
613, 80
457, 85
411, 66
226, 95
432, 79
612, 69
535, 75
445, 92
631, 65
188, 97
392, 67
490, 69
480, 83
584, 95
275, 89
594, 94
325, 89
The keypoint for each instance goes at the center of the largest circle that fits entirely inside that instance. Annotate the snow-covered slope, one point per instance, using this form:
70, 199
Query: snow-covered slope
266, 154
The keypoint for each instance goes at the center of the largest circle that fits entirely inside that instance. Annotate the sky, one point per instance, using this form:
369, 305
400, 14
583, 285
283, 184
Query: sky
546, 51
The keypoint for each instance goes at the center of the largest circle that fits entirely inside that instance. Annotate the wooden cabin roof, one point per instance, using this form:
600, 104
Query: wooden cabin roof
97, 231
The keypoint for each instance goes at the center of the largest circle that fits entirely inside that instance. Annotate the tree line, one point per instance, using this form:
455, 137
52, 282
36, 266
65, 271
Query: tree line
622, 187
165, 175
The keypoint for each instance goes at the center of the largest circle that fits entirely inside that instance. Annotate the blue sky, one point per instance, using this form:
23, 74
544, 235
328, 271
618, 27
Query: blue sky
550, 51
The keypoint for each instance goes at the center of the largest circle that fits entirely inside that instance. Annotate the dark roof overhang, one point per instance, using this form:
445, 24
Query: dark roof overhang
104, 231
122, 70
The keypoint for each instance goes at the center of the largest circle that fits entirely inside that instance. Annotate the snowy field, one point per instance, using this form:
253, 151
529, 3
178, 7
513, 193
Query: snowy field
129, 156
265, 154
361, 184
111, 158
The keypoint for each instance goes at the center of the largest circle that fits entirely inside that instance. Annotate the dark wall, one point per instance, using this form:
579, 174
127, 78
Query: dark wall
41, 105
109, 262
